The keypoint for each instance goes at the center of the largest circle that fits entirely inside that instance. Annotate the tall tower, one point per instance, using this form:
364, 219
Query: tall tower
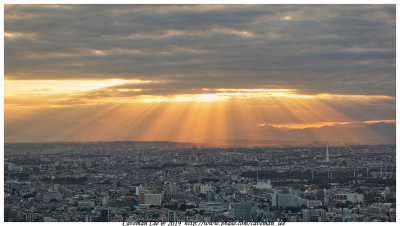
257, 176
327, 152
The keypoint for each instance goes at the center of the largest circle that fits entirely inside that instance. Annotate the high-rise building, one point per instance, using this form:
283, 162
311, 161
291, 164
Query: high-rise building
150, 199
287, 200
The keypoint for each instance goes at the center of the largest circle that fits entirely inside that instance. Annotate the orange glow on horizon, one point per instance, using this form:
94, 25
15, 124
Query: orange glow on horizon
218, 95
19, 91
229, 94
321, 124
118, 109
17, 87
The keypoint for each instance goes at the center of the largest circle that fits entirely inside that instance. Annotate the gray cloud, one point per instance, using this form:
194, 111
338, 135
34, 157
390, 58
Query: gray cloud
314, 48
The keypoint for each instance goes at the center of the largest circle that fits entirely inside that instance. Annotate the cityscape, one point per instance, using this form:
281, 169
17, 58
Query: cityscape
167, 182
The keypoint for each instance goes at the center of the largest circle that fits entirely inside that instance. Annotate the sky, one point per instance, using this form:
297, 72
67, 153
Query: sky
198, 73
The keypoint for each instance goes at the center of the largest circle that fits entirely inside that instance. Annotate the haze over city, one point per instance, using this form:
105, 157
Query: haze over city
200, 73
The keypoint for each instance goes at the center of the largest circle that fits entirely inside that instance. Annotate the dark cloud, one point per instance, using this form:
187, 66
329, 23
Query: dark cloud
314, 48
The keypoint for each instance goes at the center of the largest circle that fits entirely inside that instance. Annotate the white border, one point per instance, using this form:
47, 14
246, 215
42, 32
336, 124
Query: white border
186, 2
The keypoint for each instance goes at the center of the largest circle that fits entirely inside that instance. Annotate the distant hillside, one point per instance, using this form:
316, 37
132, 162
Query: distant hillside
378, 133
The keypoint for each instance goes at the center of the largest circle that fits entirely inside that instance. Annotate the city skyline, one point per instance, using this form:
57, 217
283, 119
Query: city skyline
200, 73
163, 181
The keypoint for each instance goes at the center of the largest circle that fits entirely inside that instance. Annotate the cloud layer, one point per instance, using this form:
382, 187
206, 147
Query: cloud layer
200, 73
342, 49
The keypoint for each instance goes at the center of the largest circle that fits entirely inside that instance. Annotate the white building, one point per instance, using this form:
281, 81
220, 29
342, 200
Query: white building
10, 166
105, 201
314, 203
264, 185
205, 188
287, 200
348, 196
